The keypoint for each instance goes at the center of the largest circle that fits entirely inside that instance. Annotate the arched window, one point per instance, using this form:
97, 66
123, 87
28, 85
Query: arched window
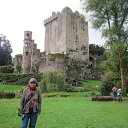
26, 53
27, 34
26, 44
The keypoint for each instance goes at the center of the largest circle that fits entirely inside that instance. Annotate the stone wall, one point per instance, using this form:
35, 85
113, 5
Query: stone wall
17, 61
67, 30
53, 62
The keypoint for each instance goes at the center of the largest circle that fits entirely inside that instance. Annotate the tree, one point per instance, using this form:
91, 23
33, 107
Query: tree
111, 16
96, 49
5, 51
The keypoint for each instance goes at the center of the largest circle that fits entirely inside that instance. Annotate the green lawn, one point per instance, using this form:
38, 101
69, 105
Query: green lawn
74, 111
92, 85
69, 112
11, 88
92, 82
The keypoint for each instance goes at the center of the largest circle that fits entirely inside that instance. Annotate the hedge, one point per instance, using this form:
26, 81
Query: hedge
12, 77
7, 95
6, 69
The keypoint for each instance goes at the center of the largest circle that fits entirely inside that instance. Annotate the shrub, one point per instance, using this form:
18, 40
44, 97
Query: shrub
69, 88
6, 69
75, 80
7, 95
12, 77
52, 81
106, 87
110, 79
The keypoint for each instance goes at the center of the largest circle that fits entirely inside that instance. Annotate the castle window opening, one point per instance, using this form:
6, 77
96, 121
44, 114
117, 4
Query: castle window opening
83, 27
76, 38
84, 53
26, 44
27, 34
26, 53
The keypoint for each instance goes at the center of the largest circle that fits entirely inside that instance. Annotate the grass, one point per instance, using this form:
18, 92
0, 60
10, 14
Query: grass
69, 112
89, 84
74, 111
11, 88
92, 83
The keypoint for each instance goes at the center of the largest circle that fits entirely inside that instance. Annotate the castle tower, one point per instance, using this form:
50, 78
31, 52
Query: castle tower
67, 31
17, 62
26, 65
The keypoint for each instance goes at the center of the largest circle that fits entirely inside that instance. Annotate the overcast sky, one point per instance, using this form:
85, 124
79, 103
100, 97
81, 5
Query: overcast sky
17, 16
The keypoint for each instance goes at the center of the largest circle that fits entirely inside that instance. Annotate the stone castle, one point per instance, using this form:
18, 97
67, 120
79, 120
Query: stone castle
65, 32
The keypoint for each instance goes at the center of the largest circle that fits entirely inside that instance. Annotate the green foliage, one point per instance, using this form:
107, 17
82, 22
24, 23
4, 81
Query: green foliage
52, 57
106, 87
74, 72
112, 63
96, 49
6, 69
111, 17
11, 77
92, 85
108, 82
52, 81
18, 68
5, 51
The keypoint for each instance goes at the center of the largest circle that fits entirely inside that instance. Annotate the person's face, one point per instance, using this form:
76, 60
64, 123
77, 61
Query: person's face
32, 85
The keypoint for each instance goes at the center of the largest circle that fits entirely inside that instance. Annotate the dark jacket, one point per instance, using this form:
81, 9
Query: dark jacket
36, 100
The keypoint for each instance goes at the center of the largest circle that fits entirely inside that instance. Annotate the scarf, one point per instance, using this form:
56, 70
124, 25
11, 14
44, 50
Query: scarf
31, 90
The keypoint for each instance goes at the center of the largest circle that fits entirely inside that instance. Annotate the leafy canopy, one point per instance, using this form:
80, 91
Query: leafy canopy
5, 51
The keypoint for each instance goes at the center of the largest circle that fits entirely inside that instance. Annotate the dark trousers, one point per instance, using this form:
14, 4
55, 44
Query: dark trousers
30, 118
119, 98
114, 96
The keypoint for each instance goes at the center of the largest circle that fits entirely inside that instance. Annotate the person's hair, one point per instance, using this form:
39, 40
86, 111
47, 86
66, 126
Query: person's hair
33, 80
36, 84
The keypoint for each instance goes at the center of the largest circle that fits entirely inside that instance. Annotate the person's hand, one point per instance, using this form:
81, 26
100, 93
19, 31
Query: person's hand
22, 116
38, 113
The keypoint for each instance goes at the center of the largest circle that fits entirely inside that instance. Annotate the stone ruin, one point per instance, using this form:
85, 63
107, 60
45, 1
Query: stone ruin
65, 32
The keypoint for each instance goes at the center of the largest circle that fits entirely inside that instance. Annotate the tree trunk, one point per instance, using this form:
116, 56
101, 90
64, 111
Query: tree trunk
123, 74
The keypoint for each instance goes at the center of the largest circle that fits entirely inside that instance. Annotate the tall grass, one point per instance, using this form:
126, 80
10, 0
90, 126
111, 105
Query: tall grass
52, 81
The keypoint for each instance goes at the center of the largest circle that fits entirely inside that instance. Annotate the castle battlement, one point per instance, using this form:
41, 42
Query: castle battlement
51, 18
65, 10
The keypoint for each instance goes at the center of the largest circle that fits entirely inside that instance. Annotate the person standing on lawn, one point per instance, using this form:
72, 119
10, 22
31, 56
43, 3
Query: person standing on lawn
30, 104
119, 96
114, 89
